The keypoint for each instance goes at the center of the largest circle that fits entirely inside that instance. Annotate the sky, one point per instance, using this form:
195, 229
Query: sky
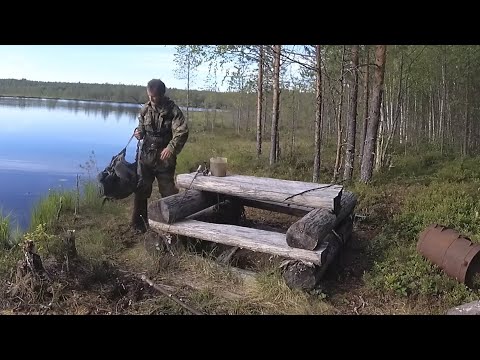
113, 64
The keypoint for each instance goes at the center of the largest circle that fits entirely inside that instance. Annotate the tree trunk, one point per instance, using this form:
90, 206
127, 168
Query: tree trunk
294, 126
188, 85
206, 117
276, 104
265, 117
259, 101
395, 118
372, 130
336, 169
466, 134
318, 115
247, 128
365, 94
380, 136
352, 118
443, 102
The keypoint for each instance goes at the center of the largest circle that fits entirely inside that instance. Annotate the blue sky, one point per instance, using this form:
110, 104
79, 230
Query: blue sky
114, 64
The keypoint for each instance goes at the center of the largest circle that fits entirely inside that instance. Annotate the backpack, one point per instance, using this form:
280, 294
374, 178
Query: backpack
119, 179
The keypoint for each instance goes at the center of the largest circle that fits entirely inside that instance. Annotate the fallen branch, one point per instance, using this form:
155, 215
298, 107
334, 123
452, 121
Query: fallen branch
171, 296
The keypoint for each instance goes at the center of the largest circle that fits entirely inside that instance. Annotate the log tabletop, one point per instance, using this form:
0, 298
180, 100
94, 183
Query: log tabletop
267, 189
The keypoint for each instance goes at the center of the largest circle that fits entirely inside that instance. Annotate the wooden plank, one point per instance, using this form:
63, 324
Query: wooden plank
267, 189
243, 237
293, 185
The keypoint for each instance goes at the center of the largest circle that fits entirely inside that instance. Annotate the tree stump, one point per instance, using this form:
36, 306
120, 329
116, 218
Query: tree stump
69, 245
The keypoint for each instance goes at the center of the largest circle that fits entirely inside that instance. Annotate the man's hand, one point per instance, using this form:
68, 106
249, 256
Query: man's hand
137, 134
166, 153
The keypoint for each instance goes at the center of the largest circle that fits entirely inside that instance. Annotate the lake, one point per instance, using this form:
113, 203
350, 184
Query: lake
45, 143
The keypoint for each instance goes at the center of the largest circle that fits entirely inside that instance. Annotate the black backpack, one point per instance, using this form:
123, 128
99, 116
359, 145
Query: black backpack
119, 179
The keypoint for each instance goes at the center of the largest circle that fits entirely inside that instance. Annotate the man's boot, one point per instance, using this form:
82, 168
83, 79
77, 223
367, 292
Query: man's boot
139, 216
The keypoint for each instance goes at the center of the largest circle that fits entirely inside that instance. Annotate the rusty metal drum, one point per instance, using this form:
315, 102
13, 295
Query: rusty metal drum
455, 254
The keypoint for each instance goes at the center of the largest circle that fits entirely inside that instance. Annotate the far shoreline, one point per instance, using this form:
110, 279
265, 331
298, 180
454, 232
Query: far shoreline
69, 99
100, 101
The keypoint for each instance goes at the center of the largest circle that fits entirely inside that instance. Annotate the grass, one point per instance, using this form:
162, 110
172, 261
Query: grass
434, 189
47, 210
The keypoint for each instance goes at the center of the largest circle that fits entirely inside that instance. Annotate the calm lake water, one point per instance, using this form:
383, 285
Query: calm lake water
45, 143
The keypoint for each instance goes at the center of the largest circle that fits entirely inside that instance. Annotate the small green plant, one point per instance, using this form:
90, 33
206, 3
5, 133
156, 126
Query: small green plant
440, 202
46, 244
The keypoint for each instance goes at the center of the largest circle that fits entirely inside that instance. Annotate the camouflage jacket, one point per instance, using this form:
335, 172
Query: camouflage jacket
167, 119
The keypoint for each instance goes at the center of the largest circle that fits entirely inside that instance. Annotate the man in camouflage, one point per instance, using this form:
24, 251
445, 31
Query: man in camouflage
164, 132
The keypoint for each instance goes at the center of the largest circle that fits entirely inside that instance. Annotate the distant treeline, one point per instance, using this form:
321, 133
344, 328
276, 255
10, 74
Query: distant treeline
111, 92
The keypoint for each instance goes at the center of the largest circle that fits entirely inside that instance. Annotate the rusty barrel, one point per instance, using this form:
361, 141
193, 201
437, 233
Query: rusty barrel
453, 253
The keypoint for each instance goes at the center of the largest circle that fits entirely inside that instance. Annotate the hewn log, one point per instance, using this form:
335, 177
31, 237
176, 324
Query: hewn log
334, 242
305, 276
289, 209
267, 189
308, 232
179, 206
227, 211
300, 275
243, 237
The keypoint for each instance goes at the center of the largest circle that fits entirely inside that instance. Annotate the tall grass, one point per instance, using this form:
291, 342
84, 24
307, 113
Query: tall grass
90, 198
47, 210
4, 231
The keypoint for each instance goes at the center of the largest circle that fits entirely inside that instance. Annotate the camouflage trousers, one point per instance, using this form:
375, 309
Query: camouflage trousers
166, 186
165, 181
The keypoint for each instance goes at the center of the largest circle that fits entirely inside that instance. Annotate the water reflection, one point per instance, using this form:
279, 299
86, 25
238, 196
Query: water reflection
46, 143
